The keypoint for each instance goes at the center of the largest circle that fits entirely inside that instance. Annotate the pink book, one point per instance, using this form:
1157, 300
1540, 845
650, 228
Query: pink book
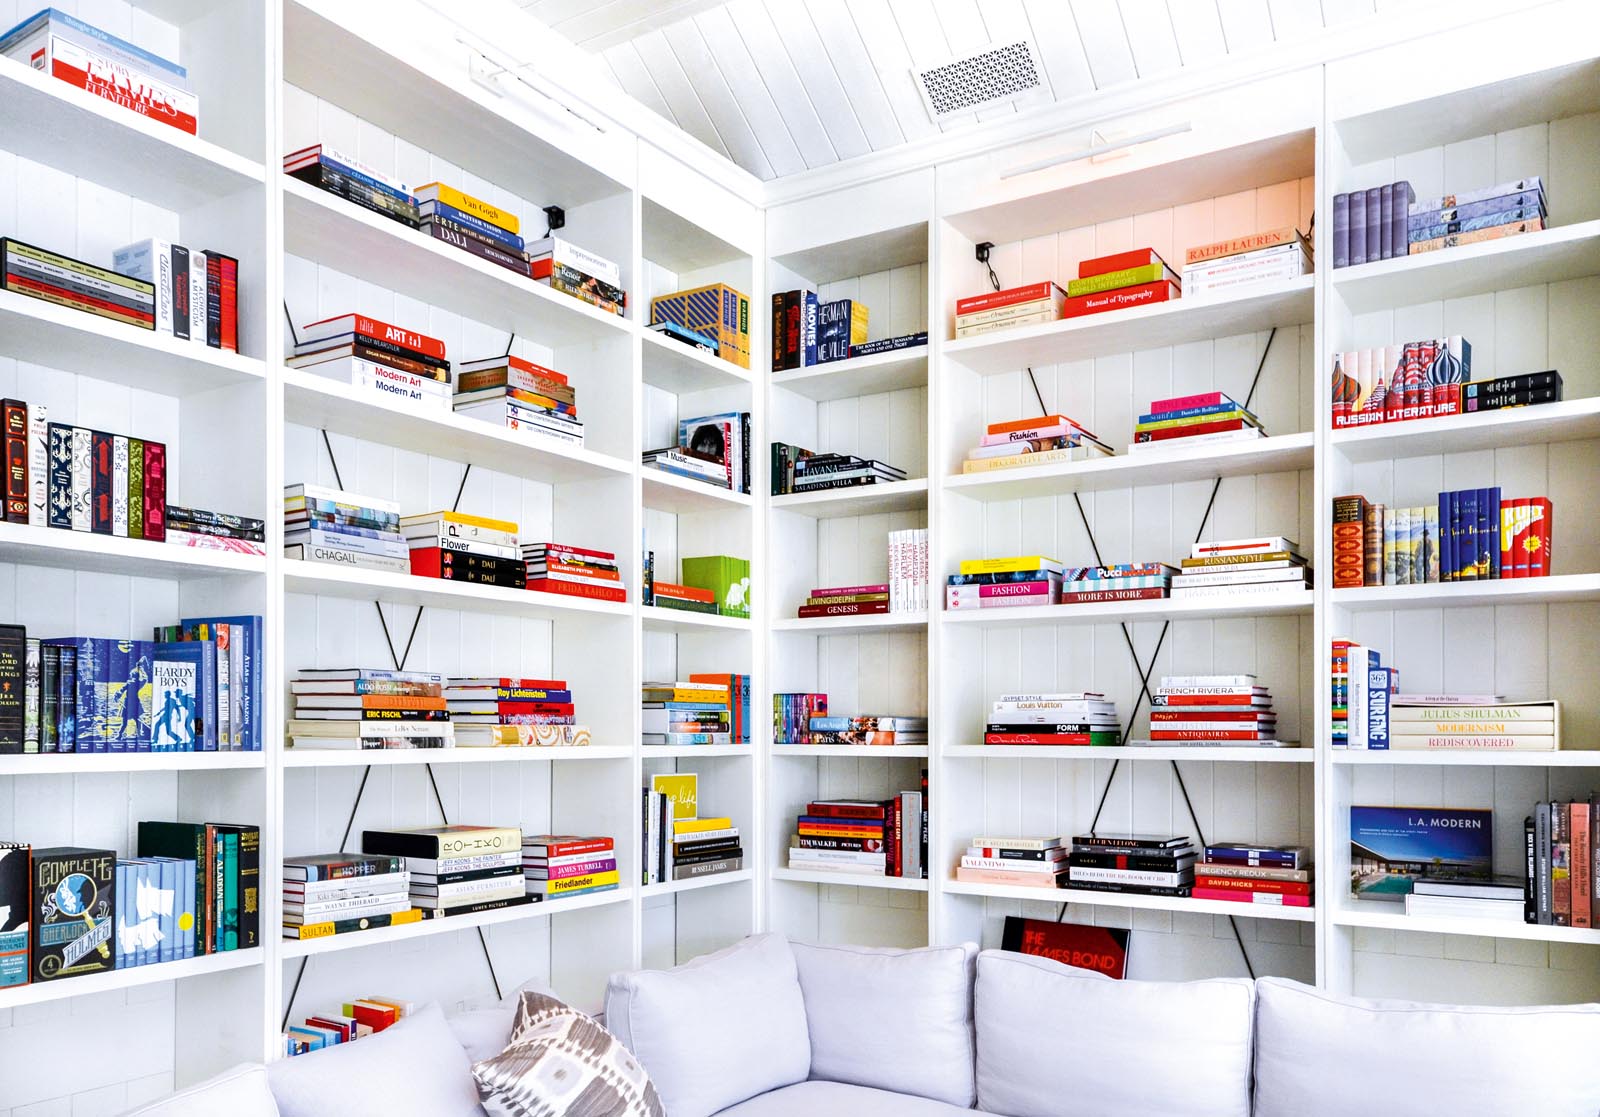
1241, 896
1180, 403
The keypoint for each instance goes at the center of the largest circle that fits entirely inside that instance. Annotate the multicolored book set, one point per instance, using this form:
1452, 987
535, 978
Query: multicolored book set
792, 714
1041, 580
715, 313
863, 837
1562, 864
573, 571
1362, 690
1141, 864
678, 843
1233, 711
555, 866
521, 396
336, 893
369, 708
701, 710
1427, 380
714, 449
1224, 266
1084, 718
1197, 420
1470, 535
496, 711
1041, 440
354, 1020
798, 470
807, 331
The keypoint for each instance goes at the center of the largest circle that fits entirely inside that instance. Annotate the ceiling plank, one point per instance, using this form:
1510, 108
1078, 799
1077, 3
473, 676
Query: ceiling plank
1335, 12
680, 94
880, 35
689, 46
1246, 24
1198, 27
1295, 19
635, 78
1105, 42
862, 83
966, 32
739, 71
1055, 34
797, 36
605, 25
776, 68
926, 43
1149, 31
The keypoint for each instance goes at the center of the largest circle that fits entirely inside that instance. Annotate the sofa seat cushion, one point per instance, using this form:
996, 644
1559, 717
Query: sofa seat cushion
898, 1020
838, 1099
1344, 1056
1130, 1048
718, 1030
239, 1092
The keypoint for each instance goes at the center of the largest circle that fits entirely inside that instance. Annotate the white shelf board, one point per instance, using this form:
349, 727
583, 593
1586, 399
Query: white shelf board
42, 333
360, 758
879, 752
1281, 453
877, 251
662, 752
1219, 753
61, 126
1132, 900
852, 880
298, 948
40, 992
78, 764
858, 376
694, 884
675, 367
658, 618
319, 226
1392, 917
1157, 609
1559, 758
857, 500
872, 622
1549, 256
317, 401
668, 492
1568, 421
1283, 303
1556, 589
31, 545
328, 580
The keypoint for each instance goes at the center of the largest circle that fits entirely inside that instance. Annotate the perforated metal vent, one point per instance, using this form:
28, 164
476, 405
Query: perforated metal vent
994, 74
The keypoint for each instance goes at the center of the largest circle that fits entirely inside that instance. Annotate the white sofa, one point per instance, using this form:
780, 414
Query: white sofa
768, 1028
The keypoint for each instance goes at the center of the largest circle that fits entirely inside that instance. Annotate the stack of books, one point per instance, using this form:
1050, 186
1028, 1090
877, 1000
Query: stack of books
846, 601
354, 1020
1371, 225
737, 689
1503, 210
1201, 710
1239, 567
196, 293
693, 712
1503, 898
717, 311
456, 870
1473, 722
806, 331
490, 711
105, 66
908, 572
1469, 536
1119, 281
520, 396
815, 473
792, 714
997, 582
1198, 420
1045, 440
1123, 581
64, 281
1561, 858
345, 177
860, 836
369, 708
472, 225
335, 893
713, 448
1015, 306
216, 531
1147, 864
1363, 690
1415, 380
563, 266
377, 359
1014, 862
462, 548
1253, 874
574, 571
1082, 718
322, 524
868, 729
1226, 265
559, 865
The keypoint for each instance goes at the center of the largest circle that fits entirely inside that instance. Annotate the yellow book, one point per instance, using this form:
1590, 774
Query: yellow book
466, 203
325, 930
683, 789
1038, 457
574, 884
461, 518
685, 694
1006, 565
700, 825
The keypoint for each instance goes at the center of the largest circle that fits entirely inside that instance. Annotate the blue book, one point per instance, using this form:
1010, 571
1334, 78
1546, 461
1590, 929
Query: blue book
810, 309
177, 678
119, 883
60, 476
119, 669
1379, 680
250, 702
476, 224
366, 180
67, 698
1446, 547
1466, 534
1391, 848
1491, 529
830, 725
168, 907
87, 731
55, 15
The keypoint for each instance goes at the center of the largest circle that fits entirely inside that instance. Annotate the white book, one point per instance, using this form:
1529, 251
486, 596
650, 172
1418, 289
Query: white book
340, 556
82, 479
1129, 876
1013, 864
1243, 434
1207, 680
565, 252
38, 464
197, 298
1224, 577
151, 261
295, 496
119, 485
1248, 589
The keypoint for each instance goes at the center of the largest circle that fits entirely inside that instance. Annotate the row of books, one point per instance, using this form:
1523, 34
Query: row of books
573, 571
354, 1020
715, 313
1195, 420
714, 449
65, 911
1371, 225
195, 686
807, 331
1469, 535
886, 838
1142, 864
1045, 440
792, 712
705, 709
1014, 862
1414, 380
716, 584
798, 470
1382, 222
678, 843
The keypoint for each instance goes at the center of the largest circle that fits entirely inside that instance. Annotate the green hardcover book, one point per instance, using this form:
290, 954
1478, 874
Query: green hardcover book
135, 488
1127, 277
189, 841
725, 576
247, 877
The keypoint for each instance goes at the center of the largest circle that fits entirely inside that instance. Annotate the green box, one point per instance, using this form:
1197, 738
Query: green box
725, 576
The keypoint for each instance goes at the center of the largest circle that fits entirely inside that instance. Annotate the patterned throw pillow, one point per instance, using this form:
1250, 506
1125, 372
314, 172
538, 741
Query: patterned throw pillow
560, 1063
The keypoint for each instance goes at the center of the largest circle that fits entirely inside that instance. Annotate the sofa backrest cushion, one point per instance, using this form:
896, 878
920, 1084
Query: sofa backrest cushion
239, 1092
1055, 1041
415, 1066
718, 1030
483, 1029
1343, 1056
897, 1020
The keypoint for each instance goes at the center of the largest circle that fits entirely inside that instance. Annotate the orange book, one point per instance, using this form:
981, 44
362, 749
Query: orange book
578, 589
1582, 867
1030, 424
685, 593
1233, 246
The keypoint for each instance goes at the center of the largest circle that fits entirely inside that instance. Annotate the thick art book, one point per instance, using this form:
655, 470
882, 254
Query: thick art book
1391, 848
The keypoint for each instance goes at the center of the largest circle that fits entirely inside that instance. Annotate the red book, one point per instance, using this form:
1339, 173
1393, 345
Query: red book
1203, 879
578, 589
1582, 867
683, 593
846, 810
1087, 596
433, 562
514, 684
849, 609
363, 326
1166, 433
1211, 735
155, 490
1181, 403
1036, 738
563, 845
1211, 715
582, 553
16, 461
228, 277
1101, 949
1210, 700
560, 709
894, 861
1119, 261
1200, 893
536, 370
1008, 297
1119, 299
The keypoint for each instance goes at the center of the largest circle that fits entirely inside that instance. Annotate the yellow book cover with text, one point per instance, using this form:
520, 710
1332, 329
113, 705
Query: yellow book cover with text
684, 826
466, 203
683, 789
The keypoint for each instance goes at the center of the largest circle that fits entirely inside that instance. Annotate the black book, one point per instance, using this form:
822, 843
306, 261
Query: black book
249, 883
473, 909
74, 901
1131, 841
13, 667
1132, 889
1144, 862
428, 882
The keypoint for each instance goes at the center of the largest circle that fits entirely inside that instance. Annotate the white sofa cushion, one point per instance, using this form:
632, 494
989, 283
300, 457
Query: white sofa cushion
1055, 1041
896, 1020
718, 1030
836, 1099
415, 1066
1343, 1056
483, 1029
239, 1092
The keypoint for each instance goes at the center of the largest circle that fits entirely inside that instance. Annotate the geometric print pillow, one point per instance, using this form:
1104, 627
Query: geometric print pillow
560, 1063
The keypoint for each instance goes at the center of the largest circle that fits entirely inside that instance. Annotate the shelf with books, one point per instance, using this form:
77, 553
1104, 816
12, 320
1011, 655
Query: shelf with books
43, 992
667, 492
1284, 453
1134, 900
857, 500
1269, 304
1548, 256
675, 367
861, 752
694, 884
858, 376
1553, 590
75, 341
360, 758
301, 576
110, 554
1392, 917
853, 880
1573, 420
319, 401
874, 622
658, 618
75, 764
671, 752
113, 146
1219, 753
1159, 609
1558, 758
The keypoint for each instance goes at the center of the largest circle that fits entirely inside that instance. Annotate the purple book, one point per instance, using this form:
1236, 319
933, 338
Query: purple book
1375, 224
1341, 230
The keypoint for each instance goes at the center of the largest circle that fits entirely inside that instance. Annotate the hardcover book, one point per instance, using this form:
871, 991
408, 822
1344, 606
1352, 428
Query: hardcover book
1391, 848
1101, 949
74, 897
16, 908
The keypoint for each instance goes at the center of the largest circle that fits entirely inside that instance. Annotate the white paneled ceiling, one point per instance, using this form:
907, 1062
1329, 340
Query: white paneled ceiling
783, 86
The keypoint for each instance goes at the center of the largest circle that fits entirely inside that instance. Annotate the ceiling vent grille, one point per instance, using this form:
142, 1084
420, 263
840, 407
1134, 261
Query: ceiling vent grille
992, 75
